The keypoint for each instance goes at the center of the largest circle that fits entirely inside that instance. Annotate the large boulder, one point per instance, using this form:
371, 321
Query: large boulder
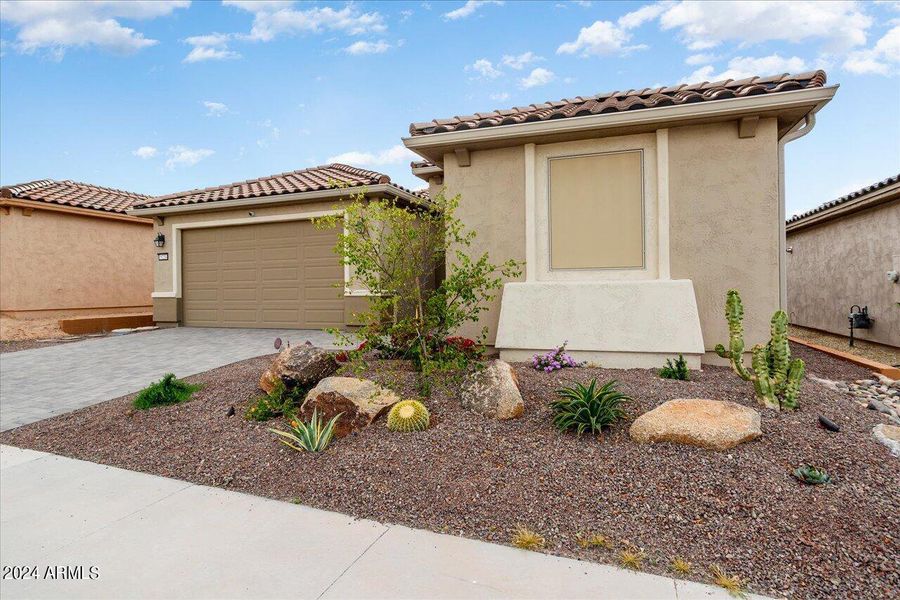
360, 401
889, 435
299, 366
493, 392
710, 424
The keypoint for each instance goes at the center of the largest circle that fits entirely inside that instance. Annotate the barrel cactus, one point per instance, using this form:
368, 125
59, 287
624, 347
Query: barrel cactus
776, 377
408, 415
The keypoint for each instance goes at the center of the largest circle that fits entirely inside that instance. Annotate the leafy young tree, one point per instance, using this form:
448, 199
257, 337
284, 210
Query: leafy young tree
396, 251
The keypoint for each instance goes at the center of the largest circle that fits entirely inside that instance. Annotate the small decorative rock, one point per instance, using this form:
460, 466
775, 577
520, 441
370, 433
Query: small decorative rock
493, 392
710, 424
302, 366
879, 406
889, 435
360, 401
828, 424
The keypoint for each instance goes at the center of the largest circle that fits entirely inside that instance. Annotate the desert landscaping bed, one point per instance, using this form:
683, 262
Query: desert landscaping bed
477, 477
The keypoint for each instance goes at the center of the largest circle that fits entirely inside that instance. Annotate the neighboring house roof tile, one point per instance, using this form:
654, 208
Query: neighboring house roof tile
851, 196
73, 193
615, 102
303, 180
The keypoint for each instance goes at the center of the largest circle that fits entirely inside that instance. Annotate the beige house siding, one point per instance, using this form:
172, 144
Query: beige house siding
844, 261
493, 192
724, 223
59, 261
723, 206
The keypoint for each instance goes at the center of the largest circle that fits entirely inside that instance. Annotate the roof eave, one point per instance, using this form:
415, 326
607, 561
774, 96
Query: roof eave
872, 199
431, 146
386, 189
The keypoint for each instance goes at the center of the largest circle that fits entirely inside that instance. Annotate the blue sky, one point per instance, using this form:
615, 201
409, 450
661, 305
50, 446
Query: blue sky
160, 97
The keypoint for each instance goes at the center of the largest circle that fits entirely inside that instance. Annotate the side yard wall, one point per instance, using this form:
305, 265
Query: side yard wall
57, 261
842, 262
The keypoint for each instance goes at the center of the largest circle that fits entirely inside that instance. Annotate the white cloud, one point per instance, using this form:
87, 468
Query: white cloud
640, 16
745, 66
469, 8
485, 69
271, 19
520, 61
273, 133
701, 25
699, 59
215, 109
391, 156
57, 26
499, 96
405, 15
212, 46
361, 47
601, 38
145, 152
182, 156
877, 59
539, 76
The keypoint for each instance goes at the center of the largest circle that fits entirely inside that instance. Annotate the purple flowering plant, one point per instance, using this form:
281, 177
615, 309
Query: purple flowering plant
554, 360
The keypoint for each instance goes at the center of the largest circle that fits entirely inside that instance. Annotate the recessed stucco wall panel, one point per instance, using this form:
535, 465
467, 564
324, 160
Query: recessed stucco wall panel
493, 204
843, 262
725, 221
55, 260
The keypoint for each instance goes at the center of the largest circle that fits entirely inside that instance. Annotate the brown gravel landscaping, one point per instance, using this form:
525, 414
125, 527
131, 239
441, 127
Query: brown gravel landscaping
480, 478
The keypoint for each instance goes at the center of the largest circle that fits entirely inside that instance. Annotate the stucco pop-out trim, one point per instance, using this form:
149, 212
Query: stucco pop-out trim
618, 323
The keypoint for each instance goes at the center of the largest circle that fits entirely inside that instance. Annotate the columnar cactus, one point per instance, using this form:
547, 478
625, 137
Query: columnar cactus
776, 378
408, 415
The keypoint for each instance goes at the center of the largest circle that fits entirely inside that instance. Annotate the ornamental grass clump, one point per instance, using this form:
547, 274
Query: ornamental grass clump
309, 437
526, 539
730, 582
167, 390
588, 409
554, 361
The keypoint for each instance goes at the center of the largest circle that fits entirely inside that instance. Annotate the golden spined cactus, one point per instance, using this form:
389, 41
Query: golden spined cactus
408, 415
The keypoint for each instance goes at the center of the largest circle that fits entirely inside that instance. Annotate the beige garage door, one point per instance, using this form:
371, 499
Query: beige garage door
267, 275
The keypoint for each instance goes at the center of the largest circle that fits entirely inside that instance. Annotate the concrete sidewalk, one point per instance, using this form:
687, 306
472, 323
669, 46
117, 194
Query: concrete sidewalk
151, 537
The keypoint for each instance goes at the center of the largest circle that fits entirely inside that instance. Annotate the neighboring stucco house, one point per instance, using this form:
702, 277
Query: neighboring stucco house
246, 254
634, 211
847, 252
70, 249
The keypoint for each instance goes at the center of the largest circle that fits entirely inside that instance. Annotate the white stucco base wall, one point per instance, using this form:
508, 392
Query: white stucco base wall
620, 324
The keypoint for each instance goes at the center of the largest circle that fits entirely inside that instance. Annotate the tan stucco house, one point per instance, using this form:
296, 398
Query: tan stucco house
70, 249
847, 252
634, 212
246, 254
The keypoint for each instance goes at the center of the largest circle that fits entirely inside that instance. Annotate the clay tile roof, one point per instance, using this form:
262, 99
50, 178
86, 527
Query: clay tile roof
851, 196
623, 101
304, 180
73, 193
421, 164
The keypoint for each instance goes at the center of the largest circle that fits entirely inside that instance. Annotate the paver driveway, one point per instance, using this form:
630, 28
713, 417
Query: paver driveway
39, 383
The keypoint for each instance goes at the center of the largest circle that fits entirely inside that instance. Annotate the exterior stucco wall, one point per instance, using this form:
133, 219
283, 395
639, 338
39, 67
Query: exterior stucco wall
724, 223
58, 261
843, 262
493, 205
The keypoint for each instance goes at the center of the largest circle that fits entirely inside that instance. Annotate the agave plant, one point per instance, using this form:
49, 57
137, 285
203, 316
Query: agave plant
310, 437
811, 475
587, 408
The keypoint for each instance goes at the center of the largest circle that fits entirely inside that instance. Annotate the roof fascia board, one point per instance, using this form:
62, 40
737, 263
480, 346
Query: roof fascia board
74, 210
336, 193
870, 200
662, 114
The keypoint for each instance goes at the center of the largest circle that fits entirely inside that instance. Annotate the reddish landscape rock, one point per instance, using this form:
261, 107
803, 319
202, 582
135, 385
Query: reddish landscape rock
299, 366
360, 401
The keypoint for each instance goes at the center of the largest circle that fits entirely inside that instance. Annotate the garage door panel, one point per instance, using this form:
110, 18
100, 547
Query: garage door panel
262, 275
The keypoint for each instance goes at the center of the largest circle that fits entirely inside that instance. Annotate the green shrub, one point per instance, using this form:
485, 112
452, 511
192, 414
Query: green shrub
587, 408
167, 390
310, 437
280, 401
675, 370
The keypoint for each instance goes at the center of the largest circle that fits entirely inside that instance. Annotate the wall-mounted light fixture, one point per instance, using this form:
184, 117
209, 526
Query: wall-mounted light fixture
160, 240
